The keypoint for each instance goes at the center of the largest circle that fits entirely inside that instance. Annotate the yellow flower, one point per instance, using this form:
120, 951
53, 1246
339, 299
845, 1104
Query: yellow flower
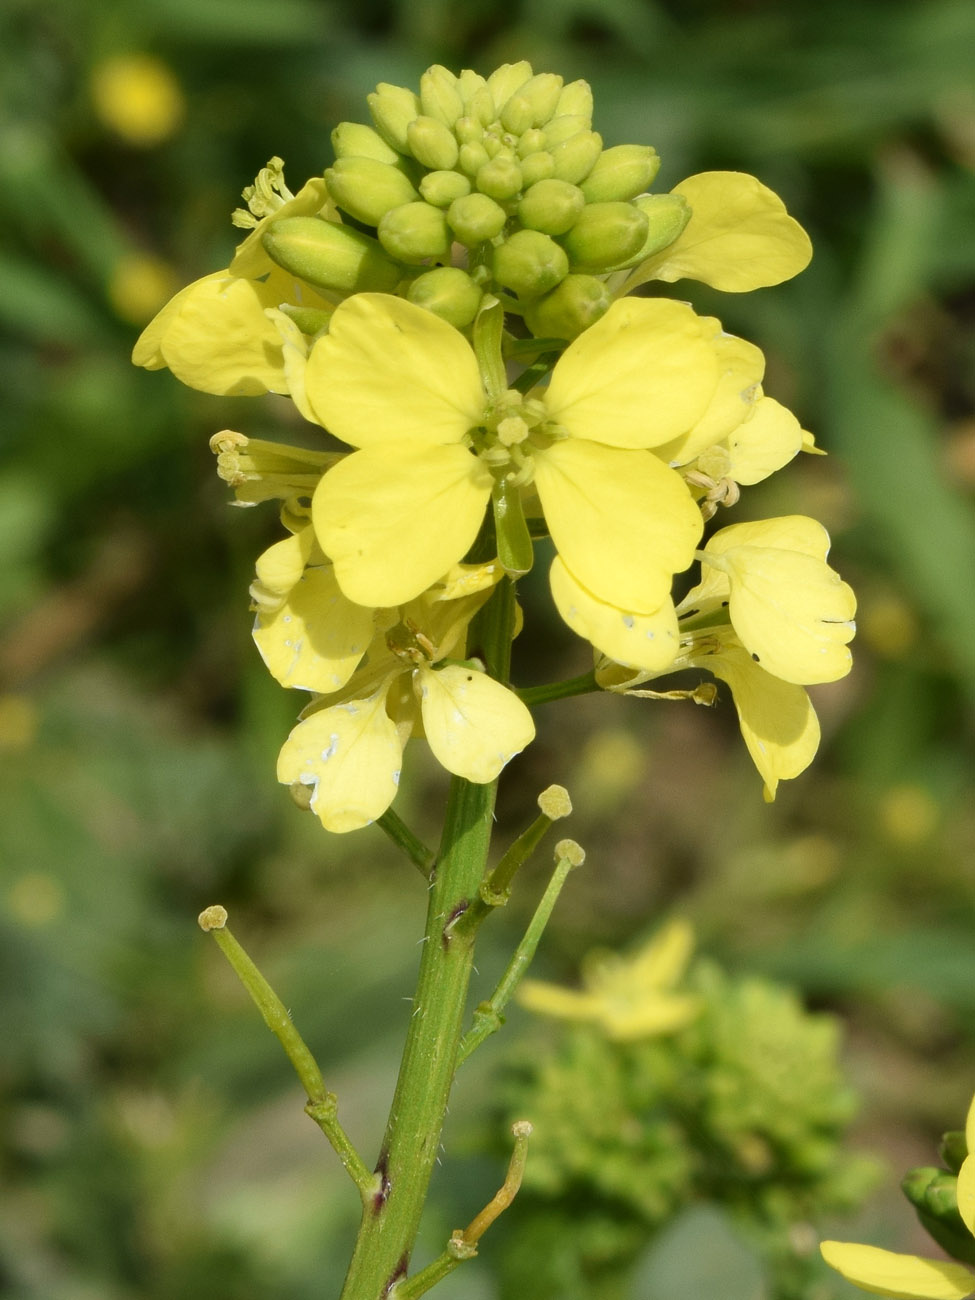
910, 1277
138, 97
629, 998
348, 749
739, 237
404, 388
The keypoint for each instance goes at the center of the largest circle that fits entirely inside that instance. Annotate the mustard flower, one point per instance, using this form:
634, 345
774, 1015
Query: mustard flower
433, 447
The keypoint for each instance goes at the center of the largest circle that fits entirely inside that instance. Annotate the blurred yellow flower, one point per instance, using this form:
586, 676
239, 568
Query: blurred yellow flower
139, 285
137, 97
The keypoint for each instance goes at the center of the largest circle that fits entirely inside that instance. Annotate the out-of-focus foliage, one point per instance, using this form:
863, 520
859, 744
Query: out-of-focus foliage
155, 1142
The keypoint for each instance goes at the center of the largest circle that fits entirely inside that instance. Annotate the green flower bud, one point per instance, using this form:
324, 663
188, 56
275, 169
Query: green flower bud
441, 188
532, 104
575, 99
493, 145
472, 157
569, 308
476, 218
531, 141
356, 140
504, 81
414, 231
330, 256
310, 320
393, 108
934, 1195
500, 178
621, 173
469, 85
449, 292
529, 263
562, 128
605, 234
953, 1149
440, 96
551, 206
574, 158
468, 130
667, 215
537, 167
366, 188
431, 143
481, 106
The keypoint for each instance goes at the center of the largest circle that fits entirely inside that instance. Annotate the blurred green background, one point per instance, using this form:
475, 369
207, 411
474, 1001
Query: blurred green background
154, 1142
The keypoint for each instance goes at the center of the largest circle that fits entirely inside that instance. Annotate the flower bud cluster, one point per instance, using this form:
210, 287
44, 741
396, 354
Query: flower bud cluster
475, 185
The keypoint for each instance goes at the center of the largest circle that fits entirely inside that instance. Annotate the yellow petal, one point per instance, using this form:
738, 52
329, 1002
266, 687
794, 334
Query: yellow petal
966, 1193
793, 612
970, 1128
553, 1000
389, 371
903, 1277
741, 366
768, 439
778, 723
350, 755
785, 532
642, 375
147, 351
394, 518
623, 522
250, 258
316, 639
294, 359
739, 237
473, 724
281, 565
648, 641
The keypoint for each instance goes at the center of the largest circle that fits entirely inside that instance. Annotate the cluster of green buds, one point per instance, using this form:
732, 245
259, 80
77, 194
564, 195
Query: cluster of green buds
933, 1191
483, 185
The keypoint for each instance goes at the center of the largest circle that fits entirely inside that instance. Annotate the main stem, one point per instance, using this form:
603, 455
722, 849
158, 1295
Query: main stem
391, 1219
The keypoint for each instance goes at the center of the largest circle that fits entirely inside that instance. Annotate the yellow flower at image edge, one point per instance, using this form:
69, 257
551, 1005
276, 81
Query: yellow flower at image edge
911, 1277
404, 388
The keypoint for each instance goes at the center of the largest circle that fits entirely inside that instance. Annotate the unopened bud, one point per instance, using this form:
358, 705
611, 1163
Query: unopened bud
441, 188
537, 167
576, 98
476, 218
449, 293
569, 308
953, 1149
431, 143
366, 188
310, 320
529, 263
551, 206
472, 157
530, 142
356, 140
555, 803
621, 173
499, 179
574, 158
468, 130
504, 81
532, 104
393, 108
563, 128
330, 256
605, 235
667, 215
414, 231
440, 96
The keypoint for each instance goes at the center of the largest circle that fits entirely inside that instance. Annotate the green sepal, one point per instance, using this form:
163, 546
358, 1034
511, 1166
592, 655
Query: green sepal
953, 1149
310, 320
515, 551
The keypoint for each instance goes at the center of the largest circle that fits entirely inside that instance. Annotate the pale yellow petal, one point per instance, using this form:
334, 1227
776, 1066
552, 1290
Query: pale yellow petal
792, 612
966, 1193
769, 438
623, 522
250, 258
739, 237
902, 1277
294, 359
785, 532
350, 755
970, 1128
648, 641
778, 723
281, 565
552, 1000
389, 371
642, 375
315, 640
473, 724
662, 1013
147, 351
741, 366
394, 518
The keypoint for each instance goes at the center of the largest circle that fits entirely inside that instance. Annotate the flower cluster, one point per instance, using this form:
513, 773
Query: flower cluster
449, 301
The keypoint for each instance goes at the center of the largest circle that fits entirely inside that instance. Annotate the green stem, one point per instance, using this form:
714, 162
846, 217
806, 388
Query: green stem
322, 1105
391, 1219
404, 839
582, 685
